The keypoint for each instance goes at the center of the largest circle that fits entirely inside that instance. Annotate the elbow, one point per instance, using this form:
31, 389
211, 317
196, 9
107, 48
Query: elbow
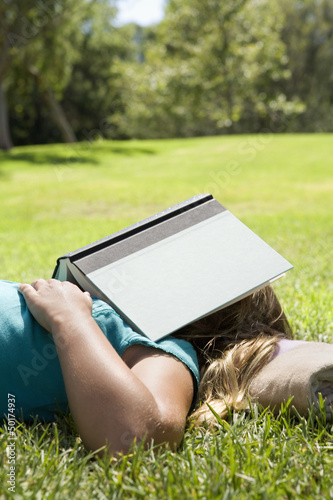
162, 432
168, 430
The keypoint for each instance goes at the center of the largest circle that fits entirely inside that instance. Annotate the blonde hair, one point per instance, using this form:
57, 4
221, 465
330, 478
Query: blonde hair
233, 345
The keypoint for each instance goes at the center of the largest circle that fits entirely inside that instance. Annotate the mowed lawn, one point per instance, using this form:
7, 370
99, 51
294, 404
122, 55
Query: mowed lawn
57, 198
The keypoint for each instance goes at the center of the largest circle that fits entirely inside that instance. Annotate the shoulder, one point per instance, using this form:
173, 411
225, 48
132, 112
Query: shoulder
160, 369
123, 338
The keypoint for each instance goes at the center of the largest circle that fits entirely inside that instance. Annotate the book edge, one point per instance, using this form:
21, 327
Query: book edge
136, 228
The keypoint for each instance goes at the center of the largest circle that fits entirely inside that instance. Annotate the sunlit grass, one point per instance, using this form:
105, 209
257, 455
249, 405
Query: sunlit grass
57, 198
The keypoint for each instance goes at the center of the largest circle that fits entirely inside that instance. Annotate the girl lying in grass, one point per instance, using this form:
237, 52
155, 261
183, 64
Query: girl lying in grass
59, 347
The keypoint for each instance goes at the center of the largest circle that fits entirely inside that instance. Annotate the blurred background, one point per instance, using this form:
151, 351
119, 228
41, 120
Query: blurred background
82, 70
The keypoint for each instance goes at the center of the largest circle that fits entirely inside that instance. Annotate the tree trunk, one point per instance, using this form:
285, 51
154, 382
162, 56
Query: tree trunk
5, 138
59, 117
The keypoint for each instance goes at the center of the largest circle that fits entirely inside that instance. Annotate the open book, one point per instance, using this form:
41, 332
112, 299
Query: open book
174, 267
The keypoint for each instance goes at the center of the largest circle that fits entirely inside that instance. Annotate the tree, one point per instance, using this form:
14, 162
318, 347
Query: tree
308, 36
94, 91
9, 16
212, 67
41, 38
89, 91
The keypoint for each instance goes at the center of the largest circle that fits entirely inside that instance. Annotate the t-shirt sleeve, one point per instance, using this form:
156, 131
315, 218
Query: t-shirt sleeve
122, 336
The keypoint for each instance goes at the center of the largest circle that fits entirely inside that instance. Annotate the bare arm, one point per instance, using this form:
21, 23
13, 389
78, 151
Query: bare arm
112, 401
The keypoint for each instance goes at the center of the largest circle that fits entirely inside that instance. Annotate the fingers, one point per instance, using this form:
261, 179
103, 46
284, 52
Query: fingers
87, 294
26, 289
38, 284
34, 284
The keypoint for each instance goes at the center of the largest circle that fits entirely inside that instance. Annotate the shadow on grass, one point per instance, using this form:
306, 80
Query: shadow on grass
37, 158
79, 153
131, 151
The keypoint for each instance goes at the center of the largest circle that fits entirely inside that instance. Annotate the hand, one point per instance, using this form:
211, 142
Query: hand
53, 302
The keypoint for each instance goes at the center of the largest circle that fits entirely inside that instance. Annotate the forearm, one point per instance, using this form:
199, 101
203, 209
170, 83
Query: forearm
107, 401
110, 402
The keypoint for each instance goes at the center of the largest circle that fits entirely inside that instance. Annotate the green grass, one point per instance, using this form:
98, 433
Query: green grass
57, 198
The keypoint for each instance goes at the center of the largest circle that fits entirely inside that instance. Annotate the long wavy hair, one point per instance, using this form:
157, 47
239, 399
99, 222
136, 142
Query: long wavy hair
233, 345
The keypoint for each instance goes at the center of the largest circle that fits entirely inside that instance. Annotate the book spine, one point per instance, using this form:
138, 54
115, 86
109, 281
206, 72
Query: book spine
138, 227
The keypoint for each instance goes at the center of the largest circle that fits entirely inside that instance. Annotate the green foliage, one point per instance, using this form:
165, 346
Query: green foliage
308, 35
57, 198
209, 68
94, 93
42, 37
63, 46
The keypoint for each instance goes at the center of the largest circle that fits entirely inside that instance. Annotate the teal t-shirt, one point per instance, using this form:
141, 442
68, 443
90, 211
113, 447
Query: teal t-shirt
29, 365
